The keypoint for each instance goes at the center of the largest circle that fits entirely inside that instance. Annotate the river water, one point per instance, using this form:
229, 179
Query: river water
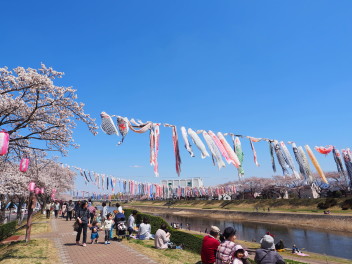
324, 242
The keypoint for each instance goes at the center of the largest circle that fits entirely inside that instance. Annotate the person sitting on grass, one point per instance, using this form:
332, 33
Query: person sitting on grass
95, 234
144, 231
162, 237
210, 245
238, 258
226, 250
267, 254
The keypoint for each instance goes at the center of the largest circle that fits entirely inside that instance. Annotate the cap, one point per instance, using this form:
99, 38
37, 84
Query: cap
267, 242
215, 229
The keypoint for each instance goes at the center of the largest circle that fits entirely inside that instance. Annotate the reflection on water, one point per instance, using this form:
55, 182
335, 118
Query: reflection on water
323, 242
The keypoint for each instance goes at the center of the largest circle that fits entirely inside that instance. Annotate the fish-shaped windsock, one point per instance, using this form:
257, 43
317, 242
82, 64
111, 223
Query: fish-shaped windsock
176, 148
306, 165
289, 159
214, 150
185, 139
315, 163
338, 161
299, 160
348, 164
198, 142
154, 136
324, 150
122, 123
142, 128
271, 149
233, 156
220, 146
251, 140
281, 158
239, 153
107, 125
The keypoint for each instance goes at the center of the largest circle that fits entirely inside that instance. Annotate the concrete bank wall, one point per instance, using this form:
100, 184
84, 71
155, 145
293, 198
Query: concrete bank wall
326, 222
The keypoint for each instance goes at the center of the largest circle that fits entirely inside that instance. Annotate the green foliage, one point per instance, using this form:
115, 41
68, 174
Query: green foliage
347, 204
7, 230
329, 202
190, 242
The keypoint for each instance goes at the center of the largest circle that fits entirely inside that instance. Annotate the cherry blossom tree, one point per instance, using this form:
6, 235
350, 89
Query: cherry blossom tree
37, 113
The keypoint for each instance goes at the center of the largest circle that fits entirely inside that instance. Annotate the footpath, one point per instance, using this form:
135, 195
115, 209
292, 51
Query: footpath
69, 253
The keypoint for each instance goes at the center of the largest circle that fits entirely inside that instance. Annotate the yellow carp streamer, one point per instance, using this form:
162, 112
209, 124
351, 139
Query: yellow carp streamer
315, 163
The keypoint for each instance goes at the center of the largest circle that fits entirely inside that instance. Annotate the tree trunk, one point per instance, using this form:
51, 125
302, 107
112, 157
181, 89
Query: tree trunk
31, 204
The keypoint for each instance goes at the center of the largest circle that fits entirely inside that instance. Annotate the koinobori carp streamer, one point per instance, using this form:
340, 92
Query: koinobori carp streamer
198, 142
315, 163
107, 125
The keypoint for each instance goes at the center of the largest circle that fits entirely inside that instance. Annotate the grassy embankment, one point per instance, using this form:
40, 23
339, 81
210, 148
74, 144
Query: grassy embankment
192, 256
37, 251
275, 205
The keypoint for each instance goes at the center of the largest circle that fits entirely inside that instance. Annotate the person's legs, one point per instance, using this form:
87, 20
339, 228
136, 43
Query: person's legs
78, 237
84, 226
107, 235
56, 213
70, 215
47, 214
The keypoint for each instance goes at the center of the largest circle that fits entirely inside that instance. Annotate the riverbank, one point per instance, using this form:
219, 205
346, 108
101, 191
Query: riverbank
313, 258
221, 209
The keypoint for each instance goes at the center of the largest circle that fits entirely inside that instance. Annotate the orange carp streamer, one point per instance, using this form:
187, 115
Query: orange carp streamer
315, 163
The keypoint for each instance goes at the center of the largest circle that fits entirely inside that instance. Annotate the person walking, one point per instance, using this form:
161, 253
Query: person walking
70, 208
56, 208
107, 225
83, 219
48, 210
104, 211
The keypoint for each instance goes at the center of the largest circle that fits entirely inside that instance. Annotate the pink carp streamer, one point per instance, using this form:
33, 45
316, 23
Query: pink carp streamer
315, 163
176, 148
324, 150
233, 156
154, 147
251, 140
220, 146
144, 127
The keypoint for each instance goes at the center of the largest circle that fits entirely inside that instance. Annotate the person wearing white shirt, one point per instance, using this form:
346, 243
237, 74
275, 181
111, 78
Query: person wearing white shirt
107, 225
130, 222
144, 231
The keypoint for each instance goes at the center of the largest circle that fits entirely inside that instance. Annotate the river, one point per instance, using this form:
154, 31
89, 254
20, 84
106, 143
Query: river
323, 242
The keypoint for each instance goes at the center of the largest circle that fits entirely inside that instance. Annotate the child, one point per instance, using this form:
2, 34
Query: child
107, 225
94, 235
239, 254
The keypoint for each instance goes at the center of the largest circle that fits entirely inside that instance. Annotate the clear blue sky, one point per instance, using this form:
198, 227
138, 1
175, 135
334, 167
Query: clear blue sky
278, 69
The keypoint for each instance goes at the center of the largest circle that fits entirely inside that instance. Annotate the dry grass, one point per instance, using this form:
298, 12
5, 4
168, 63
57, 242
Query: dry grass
166, 256
39, 225
39, 251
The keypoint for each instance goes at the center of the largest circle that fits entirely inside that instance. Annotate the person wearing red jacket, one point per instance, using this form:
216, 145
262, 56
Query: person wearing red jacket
210, 245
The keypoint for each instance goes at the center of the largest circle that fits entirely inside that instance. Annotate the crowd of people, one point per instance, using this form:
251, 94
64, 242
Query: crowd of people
222, 249
217, 247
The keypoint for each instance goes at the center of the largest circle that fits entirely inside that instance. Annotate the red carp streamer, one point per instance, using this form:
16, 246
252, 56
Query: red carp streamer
324, 150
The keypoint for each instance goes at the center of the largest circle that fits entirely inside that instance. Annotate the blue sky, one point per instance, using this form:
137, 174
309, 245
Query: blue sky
278, 69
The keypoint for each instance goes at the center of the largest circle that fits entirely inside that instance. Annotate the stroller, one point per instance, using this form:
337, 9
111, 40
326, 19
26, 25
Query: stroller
120, 226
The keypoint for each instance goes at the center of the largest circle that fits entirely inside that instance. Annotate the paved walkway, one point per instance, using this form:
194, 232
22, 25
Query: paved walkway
64, 238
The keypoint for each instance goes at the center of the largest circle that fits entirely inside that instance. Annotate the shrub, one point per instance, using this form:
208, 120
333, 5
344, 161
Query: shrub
347, 204
7, 230
329, 202
191, 242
